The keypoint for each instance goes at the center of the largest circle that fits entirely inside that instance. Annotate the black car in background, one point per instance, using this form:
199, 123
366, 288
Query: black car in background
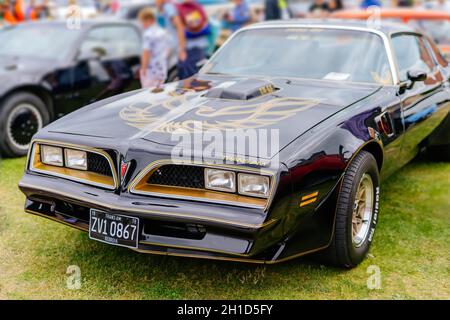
48, 69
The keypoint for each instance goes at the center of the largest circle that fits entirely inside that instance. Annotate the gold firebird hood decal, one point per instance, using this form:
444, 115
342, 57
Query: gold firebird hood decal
240, 116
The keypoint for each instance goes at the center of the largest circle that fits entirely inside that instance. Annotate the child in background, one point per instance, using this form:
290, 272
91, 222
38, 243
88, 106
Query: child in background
239, 16
155, 51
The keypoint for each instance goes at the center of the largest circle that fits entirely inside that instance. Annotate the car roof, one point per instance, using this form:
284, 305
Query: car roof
383, 26
85, 24
400, 13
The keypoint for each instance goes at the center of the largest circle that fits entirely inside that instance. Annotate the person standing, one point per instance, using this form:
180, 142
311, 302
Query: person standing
2, 12
335, 5
319, 8
197, 31
239, 16
153, 71
13, 12
174, 27
370, 3
31, 11
44, 10
276, 9
441, 5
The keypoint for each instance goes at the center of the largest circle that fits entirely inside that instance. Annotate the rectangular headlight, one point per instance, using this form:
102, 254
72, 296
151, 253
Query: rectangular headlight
253, 185
76, 159
220, 180
52, 155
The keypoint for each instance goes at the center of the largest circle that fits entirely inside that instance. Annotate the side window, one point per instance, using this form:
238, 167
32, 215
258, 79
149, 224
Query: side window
112, 42
411, 53
439, 57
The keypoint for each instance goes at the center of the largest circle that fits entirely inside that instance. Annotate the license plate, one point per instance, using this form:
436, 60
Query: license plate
114, 229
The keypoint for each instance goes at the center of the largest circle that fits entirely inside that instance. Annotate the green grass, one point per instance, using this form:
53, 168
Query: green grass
411, 247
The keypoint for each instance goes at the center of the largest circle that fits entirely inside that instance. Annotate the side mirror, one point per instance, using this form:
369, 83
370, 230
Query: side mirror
416, 75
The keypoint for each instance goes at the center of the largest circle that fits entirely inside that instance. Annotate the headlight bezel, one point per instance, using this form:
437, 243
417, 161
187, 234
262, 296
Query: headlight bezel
243, 175
34, 164
238, 187
140, 185
218, 171
75, 167
52, 163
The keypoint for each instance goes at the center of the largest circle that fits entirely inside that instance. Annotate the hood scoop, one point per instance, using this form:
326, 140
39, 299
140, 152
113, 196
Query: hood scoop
241, 90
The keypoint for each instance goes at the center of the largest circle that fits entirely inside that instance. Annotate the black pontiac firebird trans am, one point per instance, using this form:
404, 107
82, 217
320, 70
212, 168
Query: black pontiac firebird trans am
351, 104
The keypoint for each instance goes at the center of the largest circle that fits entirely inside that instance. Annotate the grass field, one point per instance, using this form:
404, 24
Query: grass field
411, 248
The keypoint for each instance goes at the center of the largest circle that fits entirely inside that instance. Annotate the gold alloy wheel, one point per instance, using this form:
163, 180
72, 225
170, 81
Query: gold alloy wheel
362, 210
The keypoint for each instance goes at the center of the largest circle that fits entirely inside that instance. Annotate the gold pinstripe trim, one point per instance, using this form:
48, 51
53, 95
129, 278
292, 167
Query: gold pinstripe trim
171, 214
204, 195
31, 154
305, 203
309, 196
236, 168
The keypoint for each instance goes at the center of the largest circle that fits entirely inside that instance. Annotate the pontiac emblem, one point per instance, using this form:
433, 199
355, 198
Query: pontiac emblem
123, 170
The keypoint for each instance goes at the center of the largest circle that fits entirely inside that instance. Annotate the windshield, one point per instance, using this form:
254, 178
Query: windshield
313, 53
44, 42
439, 30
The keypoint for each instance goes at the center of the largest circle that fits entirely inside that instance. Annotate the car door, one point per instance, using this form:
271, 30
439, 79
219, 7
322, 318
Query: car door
107, 63
424, 103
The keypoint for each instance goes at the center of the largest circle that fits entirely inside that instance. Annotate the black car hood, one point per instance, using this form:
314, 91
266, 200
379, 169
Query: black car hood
215, 103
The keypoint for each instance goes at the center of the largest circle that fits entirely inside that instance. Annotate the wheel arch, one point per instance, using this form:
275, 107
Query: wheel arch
375, 149
39, 91
323, 215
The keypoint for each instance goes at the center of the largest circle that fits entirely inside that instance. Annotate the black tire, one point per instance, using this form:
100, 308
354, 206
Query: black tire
22, 114
439, 153
343, 251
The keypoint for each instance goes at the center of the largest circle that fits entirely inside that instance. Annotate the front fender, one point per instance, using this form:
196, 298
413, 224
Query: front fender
317, 162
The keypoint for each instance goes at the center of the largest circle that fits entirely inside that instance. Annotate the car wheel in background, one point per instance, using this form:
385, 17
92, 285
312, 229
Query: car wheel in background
21, 116
356, 213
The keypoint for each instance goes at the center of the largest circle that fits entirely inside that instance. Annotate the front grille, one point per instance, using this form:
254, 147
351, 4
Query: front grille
98, 164
179, 176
